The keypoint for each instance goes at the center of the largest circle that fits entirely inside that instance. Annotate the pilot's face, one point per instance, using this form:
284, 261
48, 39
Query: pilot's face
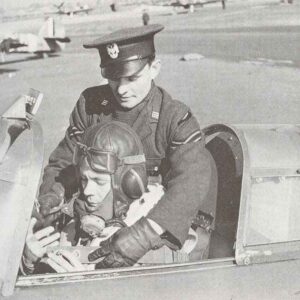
96, 187
130, 91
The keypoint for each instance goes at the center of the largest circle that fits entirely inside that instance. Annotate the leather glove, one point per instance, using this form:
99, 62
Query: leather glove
52, 199
49, 207
127, 246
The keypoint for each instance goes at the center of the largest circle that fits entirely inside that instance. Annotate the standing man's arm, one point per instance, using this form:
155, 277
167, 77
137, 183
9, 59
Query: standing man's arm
52, 189
187, 183
188, 180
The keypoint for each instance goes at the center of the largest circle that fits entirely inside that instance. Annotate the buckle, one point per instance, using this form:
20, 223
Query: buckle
203, 220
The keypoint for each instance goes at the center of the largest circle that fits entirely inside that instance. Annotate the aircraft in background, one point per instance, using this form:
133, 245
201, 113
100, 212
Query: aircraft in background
78, 9
191, 4
50, 38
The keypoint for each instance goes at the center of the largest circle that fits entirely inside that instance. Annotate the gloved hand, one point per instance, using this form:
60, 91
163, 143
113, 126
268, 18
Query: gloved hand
127, 246
49, 206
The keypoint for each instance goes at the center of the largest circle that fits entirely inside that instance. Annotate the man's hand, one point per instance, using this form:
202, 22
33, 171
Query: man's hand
127, 246
36, 243
63, 261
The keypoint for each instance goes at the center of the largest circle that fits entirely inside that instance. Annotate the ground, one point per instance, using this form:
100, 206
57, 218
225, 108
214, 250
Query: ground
247, 71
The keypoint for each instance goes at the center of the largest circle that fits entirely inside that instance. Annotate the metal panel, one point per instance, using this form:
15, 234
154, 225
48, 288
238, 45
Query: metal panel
271, 171
46, 279
213, 280
273, 148
17, 197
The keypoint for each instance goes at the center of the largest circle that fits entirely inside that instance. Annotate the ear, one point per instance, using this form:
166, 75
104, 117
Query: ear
155, 68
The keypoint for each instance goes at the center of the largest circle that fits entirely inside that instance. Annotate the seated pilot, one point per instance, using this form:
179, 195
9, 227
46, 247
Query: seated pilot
110, 211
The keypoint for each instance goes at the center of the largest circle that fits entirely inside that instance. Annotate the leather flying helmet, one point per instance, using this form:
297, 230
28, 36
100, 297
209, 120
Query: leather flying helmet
113, 147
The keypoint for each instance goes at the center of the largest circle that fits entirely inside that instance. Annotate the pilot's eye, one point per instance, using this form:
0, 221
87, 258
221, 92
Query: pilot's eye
132, 78
101, 182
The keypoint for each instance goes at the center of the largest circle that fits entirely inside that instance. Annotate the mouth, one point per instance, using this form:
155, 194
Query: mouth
124, 99
91, 203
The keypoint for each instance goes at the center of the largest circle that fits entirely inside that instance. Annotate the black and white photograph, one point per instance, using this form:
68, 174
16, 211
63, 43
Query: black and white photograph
150, 149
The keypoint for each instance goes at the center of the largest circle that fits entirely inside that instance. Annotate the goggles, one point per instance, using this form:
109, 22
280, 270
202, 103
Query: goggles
103, 161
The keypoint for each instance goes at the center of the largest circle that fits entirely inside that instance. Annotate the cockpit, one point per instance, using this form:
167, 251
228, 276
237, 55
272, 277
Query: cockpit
226, 150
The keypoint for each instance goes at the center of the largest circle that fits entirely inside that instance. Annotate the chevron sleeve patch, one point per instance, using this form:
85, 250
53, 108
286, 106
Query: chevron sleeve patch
192, 138
185, 118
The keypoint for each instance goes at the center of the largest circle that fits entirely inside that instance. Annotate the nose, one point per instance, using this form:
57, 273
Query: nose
88, 189
122, 86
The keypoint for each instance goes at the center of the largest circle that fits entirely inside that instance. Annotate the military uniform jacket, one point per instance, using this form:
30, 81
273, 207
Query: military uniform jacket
173, 146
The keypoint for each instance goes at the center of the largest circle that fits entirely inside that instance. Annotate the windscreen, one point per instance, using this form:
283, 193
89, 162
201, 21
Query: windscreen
15, 158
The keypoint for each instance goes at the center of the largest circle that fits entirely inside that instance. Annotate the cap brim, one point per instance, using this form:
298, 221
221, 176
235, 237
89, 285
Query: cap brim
123, 69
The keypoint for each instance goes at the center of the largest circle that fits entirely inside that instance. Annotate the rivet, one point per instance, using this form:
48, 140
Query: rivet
247, 260
281, 179
258, 180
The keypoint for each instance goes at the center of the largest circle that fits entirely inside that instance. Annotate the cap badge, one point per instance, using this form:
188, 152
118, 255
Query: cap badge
113, 50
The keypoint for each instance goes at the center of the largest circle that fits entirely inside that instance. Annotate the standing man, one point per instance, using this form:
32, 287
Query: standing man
145, 17
172, 140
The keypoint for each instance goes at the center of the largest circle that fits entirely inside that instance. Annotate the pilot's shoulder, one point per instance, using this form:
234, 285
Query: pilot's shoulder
97, 99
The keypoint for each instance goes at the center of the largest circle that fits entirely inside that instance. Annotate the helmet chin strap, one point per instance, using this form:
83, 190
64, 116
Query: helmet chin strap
121, 204
120, 201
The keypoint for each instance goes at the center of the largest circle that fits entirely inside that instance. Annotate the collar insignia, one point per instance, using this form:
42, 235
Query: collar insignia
155, 115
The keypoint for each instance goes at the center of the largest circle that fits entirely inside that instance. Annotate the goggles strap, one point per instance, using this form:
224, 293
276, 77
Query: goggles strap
82, 146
